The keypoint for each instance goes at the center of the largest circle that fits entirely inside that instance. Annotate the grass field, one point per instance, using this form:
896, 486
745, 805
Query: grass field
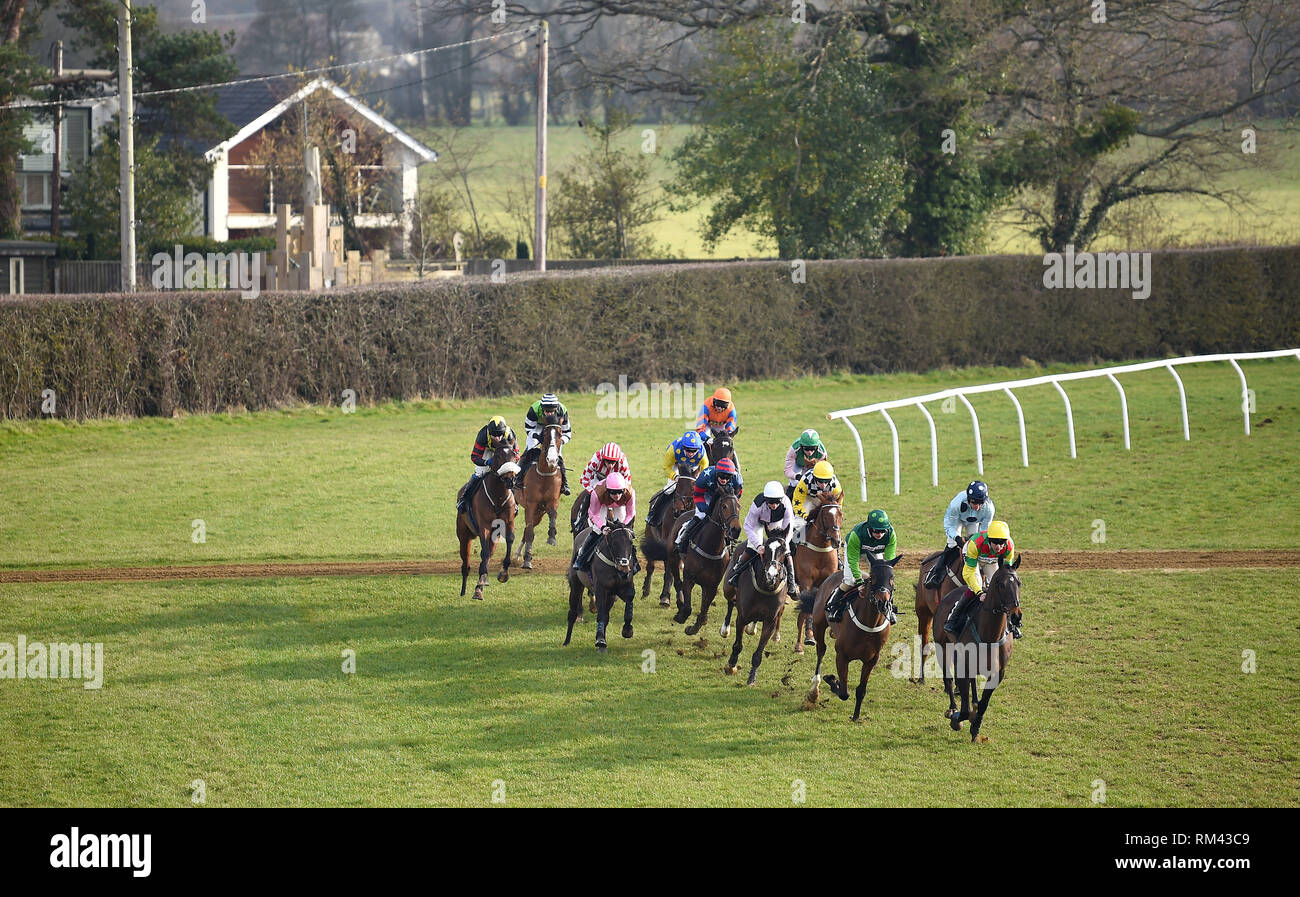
1132, 678
1270, 181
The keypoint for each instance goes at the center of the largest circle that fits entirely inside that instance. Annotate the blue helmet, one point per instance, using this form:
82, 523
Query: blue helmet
977, 491
691, 442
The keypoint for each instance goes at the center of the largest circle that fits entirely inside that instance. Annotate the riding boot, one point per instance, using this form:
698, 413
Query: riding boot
934, 578
956, 617
564, 478
834, 611
462, 506
740, 566
653, 517
586, 552
684, 534
791, 587
583, 502
526, 462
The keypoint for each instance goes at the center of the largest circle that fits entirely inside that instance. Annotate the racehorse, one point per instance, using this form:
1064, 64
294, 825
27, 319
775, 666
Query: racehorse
705, 560
757, 597
817, 557
927, 601
723, 445
611, 576
973, 650
860, 637
539, 492
491, 517
680, 502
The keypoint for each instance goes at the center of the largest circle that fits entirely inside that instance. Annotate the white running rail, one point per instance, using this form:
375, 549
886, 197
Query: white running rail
960, 393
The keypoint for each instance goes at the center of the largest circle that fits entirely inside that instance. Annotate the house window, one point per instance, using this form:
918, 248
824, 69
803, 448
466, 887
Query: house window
16, 276
36, 190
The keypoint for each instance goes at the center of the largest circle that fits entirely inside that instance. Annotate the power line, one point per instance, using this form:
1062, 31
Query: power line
306, 72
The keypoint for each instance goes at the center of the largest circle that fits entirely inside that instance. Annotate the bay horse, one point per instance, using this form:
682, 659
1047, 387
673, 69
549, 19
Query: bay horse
927, 601
816, 557
860, 637
490, 518
704, 563
982, 648
611, 576
539, 492
656, 540
757, 597
723, 445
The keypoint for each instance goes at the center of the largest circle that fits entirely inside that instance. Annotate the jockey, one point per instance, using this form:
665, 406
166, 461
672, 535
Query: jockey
874, 537
611, 500
717, 415
546, 411
815, 488
982, 555
609, 459
770, 516
969, 512
722, 476
495, 433
689, 449
804, 452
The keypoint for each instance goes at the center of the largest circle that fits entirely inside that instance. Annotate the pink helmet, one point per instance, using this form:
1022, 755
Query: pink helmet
615, 481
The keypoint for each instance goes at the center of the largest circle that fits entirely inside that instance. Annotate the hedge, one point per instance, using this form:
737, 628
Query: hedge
159, 353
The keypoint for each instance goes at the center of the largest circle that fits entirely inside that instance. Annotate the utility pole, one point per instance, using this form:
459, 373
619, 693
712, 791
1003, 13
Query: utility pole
57, 178
424, 82
127, 149
539, 235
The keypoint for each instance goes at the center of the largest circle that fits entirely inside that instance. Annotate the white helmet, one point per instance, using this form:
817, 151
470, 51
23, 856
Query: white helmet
773, 489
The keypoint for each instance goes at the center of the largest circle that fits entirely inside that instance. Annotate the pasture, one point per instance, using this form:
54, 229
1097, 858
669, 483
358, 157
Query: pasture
1133, 678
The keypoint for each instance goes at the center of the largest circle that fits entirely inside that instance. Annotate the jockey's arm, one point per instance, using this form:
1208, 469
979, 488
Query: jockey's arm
851, 556
891, 547
970, 571
791, 469
952, 524
670, 463
800, 496
753, 528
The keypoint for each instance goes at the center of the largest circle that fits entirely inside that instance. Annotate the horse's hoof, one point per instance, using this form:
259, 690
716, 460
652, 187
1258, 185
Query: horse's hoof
692, 629
979, 739
730, 670
503, 576
725, 630
753, 679
810, 700
777, 637
627, 630
751, 629
526, 565
798, 648
478, 595
550, 540
955, 722
601, 649
663, 602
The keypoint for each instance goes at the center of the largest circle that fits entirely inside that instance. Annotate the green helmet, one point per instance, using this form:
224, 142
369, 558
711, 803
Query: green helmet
878, 520
809, 439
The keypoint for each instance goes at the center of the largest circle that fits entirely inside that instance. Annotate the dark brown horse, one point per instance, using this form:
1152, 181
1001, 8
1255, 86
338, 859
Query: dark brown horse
539, 492
681, 501
983, 648
860, 635
611, 577
704, 562
817, 556
722, 446
757, 597
927, 601
491, 517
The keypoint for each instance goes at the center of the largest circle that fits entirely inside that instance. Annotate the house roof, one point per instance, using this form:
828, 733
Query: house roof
251, 107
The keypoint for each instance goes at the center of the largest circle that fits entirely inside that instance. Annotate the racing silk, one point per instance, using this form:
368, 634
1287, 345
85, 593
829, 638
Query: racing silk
709, 420
793, 468
860, 542
597, 469
979, 552
961, 519
706, 488
485, 445
675, 454
533, 423
808, 498
601, 508
760, 522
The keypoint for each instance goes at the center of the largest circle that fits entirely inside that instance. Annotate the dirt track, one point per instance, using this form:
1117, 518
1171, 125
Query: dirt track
1051, 561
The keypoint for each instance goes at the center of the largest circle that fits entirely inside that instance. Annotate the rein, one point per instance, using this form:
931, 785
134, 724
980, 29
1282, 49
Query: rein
550, 428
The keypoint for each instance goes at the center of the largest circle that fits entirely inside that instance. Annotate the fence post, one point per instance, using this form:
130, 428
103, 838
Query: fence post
1182, 400
979, 446
1020, 414
1069, 416
1245, 393
894, 433
934, 445
1123, 406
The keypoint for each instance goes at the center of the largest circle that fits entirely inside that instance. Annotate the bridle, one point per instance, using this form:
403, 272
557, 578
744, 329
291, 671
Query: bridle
753, 575
551, 431
622, 561
876, 588
723, 525
831, 545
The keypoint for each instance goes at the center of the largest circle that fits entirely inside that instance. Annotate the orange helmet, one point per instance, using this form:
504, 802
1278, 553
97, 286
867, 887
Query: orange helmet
722, 394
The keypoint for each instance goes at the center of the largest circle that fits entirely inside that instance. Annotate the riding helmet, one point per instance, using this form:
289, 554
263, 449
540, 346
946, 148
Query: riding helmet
977, 491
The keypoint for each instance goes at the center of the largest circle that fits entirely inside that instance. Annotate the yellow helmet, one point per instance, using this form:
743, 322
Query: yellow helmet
822, 470
999, 530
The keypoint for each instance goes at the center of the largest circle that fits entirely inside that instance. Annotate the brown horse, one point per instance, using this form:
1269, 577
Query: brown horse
539, 492
491, 517
705, 560
927, 601
758, 597
681, 501
817, 556
982, 648
722, 446
611, 576
860, 637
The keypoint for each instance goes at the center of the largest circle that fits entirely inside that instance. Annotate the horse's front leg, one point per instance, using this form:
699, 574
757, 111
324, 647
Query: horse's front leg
526, 543
707, 594
485, 546
733, 665
964, 686
504, 575
649, 572
629, 595
550, 534
575, 604
815, 691
604, 598
770, 628
685, 585
868, 664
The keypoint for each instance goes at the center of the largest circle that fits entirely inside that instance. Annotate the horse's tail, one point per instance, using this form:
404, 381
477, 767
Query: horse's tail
653, 549
807, 598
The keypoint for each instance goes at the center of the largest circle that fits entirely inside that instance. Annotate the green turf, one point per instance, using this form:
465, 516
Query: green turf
318, 484
1134, 680
1269, 180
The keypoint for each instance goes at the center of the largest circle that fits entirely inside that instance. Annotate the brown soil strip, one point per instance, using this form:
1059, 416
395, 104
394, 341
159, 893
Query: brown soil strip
1051, 561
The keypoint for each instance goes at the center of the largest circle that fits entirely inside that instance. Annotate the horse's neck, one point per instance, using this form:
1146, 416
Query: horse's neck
990, 623
864, 607
711, 524
819, 530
